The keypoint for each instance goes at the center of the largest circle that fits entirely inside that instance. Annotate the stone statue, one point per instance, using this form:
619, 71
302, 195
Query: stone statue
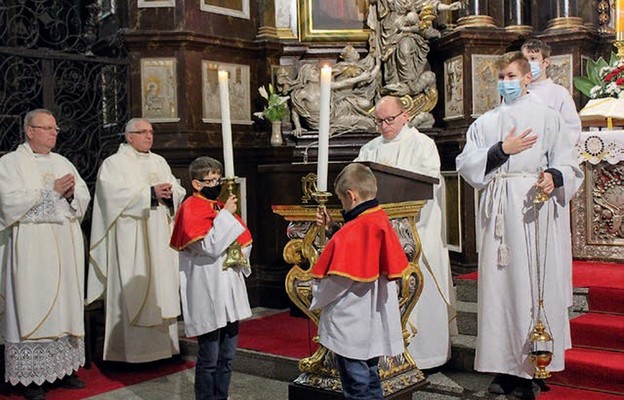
352, 96
396, 64
399, 33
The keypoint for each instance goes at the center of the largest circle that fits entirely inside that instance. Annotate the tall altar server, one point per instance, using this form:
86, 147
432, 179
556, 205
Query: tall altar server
136, 197
512, 152
559, 99
404, 147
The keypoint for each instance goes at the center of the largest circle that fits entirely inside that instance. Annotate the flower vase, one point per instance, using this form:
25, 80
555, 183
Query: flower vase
276, 133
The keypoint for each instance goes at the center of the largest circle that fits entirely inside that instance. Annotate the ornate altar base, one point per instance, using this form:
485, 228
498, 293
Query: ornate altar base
597, 210
319, 380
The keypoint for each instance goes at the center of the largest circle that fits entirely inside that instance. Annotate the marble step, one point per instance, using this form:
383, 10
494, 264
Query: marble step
466, 291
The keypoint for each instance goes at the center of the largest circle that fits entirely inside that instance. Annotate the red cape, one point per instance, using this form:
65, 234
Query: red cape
363, 249
194, 220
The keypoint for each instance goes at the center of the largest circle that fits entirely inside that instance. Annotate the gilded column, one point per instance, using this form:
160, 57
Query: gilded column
476, 15
618, 25
518, 16
565, 15
603, 9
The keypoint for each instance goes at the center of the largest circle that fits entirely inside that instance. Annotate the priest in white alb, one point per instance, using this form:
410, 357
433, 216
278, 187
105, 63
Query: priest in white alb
511, 154
42, 202
136, 198
401, 146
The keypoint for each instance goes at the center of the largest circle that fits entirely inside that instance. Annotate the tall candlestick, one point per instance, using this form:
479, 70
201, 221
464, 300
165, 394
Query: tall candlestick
619, 19
226, 124
323, 145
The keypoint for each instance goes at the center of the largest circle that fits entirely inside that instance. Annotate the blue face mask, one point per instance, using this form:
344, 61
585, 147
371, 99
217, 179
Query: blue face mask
510, 90
536, 71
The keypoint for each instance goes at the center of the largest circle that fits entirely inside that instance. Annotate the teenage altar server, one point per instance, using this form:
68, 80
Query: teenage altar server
404, 147
136, 198
559, 99
511, 153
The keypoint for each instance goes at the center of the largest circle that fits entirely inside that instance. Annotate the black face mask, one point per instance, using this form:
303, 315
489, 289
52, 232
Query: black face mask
211, 193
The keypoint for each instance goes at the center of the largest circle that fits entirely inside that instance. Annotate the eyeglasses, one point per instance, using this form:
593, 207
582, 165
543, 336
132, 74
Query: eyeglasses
143, 132
46, 128
210, 182
387, 120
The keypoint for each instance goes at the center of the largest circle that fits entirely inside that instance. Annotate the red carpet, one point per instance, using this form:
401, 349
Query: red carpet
596, 361
598, 274
608, 300
568, 393
279, 334
112, 376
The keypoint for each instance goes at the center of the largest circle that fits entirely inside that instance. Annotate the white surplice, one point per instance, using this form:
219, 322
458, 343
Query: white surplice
433, 315
130, 257
42, 253
212, 297
507, 294
360, 320
559, 99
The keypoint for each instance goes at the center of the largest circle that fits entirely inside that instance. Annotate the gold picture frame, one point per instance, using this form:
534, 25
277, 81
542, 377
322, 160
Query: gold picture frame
318, 23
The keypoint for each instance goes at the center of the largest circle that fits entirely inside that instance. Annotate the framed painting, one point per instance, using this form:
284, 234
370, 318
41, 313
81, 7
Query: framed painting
333, 20
454, 88
239, 93
155, 3
234, 8
159, 97
484, 79
560, 71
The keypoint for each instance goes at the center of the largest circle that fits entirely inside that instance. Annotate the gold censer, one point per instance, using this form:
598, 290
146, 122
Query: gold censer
540, 339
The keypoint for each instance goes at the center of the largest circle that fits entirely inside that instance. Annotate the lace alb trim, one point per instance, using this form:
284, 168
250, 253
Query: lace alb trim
38, 362
45, 210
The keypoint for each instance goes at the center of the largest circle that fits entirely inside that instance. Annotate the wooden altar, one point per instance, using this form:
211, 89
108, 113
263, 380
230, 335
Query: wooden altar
402, 194
597, 210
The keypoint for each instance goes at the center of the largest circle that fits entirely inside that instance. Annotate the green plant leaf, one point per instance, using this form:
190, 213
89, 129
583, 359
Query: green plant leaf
593, 69
583, 85
614, 59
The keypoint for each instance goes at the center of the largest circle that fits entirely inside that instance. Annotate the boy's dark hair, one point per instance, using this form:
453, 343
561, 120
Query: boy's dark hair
202, 166
514, 57
537, 46
358, 178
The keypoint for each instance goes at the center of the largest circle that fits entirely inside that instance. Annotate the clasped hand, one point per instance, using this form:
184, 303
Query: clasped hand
65, 185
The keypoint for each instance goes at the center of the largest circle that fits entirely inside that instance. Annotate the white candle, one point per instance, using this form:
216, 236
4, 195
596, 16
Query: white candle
323, 145
226, 124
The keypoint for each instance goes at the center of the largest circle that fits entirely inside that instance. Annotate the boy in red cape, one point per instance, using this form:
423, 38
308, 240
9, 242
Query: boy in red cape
360, 318
214, 299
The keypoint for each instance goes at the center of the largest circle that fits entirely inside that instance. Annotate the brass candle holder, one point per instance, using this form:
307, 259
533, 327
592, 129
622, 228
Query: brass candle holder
321, 198
234, 256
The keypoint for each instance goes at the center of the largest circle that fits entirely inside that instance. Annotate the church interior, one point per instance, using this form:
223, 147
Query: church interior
95, 64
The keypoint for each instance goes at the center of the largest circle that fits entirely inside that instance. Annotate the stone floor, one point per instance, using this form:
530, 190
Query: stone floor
444, 385
179, 386
260, 376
